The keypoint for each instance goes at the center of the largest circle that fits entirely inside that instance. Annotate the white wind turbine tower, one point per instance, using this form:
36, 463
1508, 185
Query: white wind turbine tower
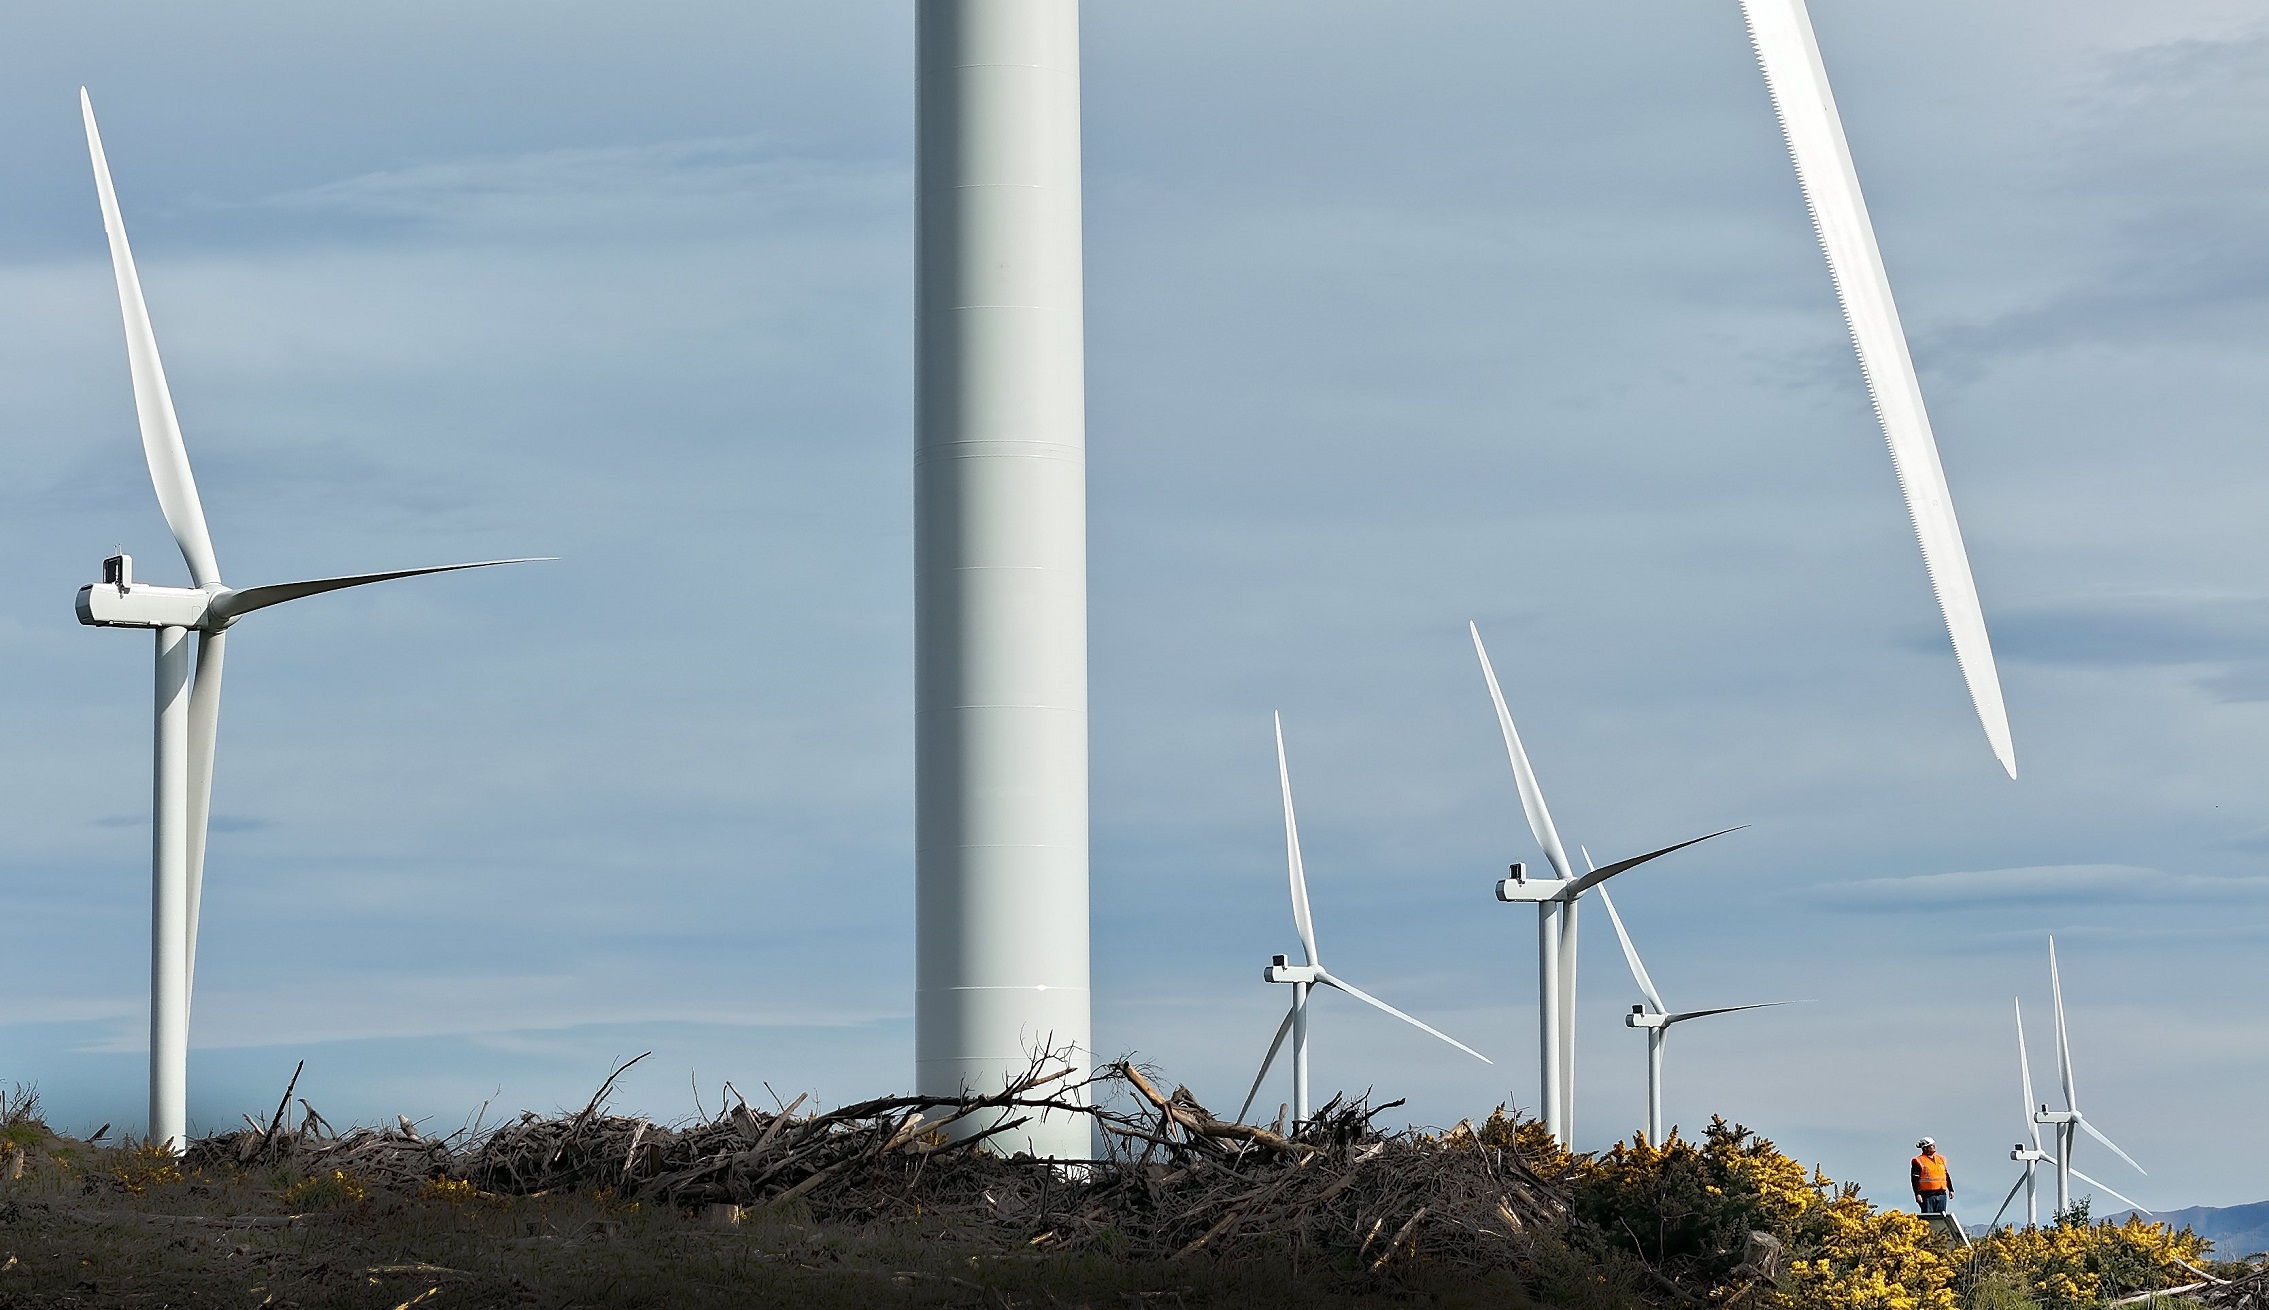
1557, 900
1789, 53
1310, 973
2068, 1122
1655, 1018
188, 708
1000, 577
2032, 1157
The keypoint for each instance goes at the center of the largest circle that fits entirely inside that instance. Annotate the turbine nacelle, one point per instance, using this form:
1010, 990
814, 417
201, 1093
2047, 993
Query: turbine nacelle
1281, 972
1641, 1017
1522, 889
120, 602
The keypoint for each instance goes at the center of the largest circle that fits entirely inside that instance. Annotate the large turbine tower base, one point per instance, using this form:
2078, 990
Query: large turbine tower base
1000, 593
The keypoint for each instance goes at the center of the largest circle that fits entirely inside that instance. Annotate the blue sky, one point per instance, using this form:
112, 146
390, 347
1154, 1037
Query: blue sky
1399, 315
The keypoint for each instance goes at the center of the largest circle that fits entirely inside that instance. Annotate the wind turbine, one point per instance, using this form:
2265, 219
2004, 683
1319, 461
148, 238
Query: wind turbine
2029, 1156
1655, 1018
1557, 900
2068, 1122
1310, 973
188, 706
1789, 53
2032, 1157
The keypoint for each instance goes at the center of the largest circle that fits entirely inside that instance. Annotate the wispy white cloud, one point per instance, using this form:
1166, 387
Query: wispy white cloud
443, 1004
667, 191
66, 1008
2045, 884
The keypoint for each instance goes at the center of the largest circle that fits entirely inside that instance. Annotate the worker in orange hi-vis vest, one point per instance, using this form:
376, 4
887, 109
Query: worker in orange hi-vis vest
1933, 1181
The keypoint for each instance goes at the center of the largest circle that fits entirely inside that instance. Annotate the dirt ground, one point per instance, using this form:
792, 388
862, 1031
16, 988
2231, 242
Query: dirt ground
114, 1230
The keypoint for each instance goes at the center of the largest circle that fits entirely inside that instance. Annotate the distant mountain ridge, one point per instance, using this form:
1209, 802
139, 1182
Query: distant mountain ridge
2236, 1231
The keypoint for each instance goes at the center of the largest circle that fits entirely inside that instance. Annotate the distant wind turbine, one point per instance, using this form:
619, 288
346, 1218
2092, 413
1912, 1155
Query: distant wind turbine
1655, 1018
1310, 973
2068, 1122
1789, 53
2029, 1156
188, 709
2032, 1157
1557, 901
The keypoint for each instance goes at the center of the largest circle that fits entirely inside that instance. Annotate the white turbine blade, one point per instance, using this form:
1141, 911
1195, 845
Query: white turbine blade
1524, 777
153, 403
204, 733
1302, 922
1368, 999
231, 605
2025, 1076
1266, 1061
2130, 1200
1630, 952
1598, 876
2020, 1186
2092, 1131
1727, 1009
2063, 1041
1789, 53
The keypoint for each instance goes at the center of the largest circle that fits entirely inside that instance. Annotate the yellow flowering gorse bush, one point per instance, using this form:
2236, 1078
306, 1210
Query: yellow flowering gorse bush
1860, 1256
327, 1191
140, 1168
2075, 1264
448, 1189
1688, 1208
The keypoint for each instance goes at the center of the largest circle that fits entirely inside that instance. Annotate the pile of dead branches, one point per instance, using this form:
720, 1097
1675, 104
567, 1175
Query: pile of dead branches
2248, 1293
303, 1143
747, 1156
1336, 1186
1172, 1181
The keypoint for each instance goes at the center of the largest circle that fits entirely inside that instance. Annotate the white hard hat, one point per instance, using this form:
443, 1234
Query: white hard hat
1927, 1141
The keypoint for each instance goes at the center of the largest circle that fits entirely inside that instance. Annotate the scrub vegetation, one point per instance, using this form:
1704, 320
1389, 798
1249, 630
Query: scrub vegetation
872, 1205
